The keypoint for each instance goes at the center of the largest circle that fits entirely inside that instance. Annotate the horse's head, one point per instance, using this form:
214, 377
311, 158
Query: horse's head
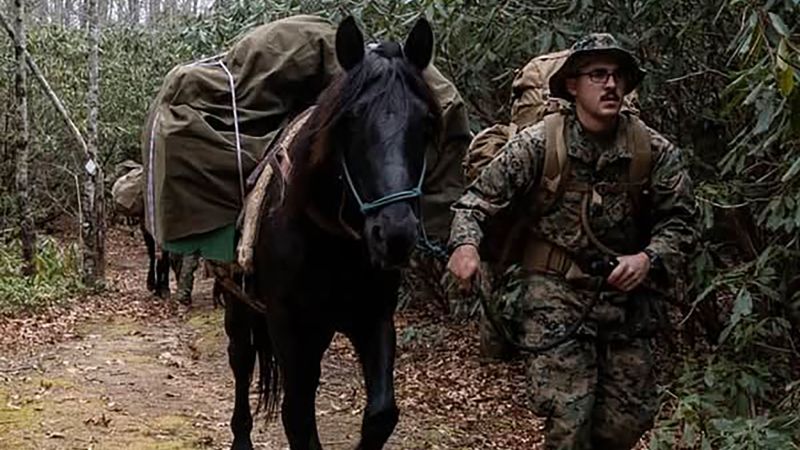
388, 118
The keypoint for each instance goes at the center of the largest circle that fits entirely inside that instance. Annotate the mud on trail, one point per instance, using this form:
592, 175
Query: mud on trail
123, 370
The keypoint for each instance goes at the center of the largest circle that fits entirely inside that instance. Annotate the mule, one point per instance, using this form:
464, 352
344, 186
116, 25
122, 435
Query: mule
328, 259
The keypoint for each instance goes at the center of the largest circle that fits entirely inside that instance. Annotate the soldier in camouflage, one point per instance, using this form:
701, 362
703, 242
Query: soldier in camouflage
596, 390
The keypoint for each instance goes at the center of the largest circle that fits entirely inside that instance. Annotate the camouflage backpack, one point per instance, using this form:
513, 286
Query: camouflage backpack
531, 103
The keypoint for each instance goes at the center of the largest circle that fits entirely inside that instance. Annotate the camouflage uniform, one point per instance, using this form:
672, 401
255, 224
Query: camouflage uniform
596, 391
188, 265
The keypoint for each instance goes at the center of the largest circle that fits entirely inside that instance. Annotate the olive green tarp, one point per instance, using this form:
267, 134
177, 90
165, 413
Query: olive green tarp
194, 175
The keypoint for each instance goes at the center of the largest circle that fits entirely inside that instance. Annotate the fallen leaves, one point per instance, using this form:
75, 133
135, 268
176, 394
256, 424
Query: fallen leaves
126, 296
101, 421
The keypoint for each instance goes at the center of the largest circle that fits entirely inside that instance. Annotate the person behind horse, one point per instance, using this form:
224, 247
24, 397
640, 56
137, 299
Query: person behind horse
596, 390
185, 282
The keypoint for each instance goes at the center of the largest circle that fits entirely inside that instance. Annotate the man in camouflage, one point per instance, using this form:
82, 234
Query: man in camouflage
596, 390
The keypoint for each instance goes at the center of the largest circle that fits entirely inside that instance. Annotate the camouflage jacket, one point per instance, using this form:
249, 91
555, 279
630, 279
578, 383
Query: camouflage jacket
671, 213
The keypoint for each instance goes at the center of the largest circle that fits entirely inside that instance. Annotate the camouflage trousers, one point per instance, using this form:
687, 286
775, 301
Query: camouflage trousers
185, 282
596, 391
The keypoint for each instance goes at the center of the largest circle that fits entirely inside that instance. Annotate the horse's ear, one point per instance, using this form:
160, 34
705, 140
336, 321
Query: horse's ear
419, 44
349, 44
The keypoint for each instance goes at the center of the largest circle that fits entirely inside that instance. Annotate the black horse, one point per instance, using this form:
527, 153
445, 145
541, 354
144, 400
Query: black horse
328, 258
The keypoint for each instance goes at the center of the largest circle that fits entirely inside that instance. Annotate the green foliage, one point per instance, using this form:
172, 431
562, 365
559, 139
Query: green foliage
716, 405
134, 62
736, 398
57, 276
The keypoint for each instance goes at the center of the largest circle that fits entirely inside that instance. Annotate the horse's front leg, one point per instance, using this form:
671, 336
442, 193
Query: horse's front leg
162, 274
241, 356
299, 346
374, 341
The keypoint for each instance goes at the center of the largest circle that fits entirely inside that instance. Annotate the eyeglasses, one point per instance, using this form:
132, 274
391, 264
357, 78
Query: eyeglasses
601, 76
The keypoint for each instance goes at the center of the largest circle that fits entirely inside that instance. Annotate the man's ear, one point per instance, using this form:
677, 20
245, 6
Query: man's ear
572, 86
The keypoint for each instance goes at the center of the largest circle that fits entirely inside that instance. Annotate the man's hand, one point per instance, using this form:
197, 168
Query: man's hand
630, 272
463, 264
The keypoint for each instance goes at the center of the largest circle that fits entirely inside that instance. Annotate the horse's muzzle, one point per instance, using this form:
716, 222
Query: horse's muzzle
391, 234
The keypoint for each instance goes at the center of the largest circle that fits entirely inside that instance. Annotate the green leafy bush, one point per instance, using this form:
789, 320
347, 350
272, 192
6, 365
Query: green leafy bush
57, 276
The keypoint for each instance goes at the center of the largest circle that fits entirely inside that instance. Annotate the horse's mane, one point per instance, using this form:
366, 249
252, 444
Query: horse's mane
382, 64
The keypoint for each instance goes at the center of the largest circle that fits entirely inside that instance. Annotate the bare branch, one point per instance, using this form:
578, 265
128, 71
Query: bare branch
49, 91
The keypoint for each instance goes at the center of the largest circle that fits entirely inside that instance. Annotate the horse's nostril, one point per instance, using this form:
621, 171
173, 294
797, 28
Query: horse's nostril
377, 235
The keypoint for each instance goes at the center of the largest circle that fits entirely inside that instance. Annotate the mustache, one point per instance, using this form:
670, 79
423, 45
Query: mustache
610, 96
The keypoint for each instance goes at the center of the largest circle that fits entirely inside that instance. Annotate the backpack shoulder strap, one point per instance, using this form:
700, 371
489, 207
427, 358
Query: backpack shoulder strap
555, 152
638, 140
555, 163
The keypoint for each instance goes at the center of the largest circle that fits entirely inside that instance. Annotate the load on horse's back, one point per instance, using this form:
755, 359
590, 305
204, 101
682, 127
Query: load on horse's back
324, 160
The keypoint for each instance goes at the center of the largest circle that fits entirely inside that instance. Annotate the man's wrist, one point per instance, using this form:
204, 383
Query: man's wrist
655, 259
453, 245
463, 244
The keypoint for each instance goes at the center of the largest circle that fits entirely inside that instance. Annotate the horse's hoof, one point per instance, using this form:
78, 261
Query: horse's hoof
242, 444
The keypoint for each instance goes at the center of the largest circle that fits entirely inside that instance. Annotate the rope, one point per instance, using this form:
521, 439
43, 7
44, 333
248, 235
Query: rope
235, 127
568, 335
238, 140
151, 157
439, 252
426, 245
151, 194
386, 199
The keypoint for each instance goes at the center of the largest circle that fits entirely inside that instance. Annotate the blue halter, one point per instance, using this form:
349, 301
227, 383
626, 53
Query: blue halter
425, 243
386, 199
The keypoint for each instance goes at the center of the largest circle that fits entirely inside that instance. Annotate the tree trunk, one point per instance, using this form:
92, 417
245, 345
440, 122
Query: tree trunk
133, 11
21, 144
154, 11
102, 11
93, 209
58, 12
67, 17
42, 14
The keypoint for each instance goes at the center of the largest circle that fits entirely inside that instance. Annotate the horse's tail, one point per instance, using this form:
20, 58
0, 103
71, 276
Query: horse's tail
269, 379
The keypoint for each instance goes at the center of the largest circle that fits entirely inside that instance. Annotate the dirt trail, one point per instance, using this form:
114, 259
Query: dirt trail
131, 372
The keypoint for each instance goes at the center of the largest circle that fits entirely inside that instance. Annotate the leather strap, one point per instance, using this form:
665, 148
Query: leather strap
544, 257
